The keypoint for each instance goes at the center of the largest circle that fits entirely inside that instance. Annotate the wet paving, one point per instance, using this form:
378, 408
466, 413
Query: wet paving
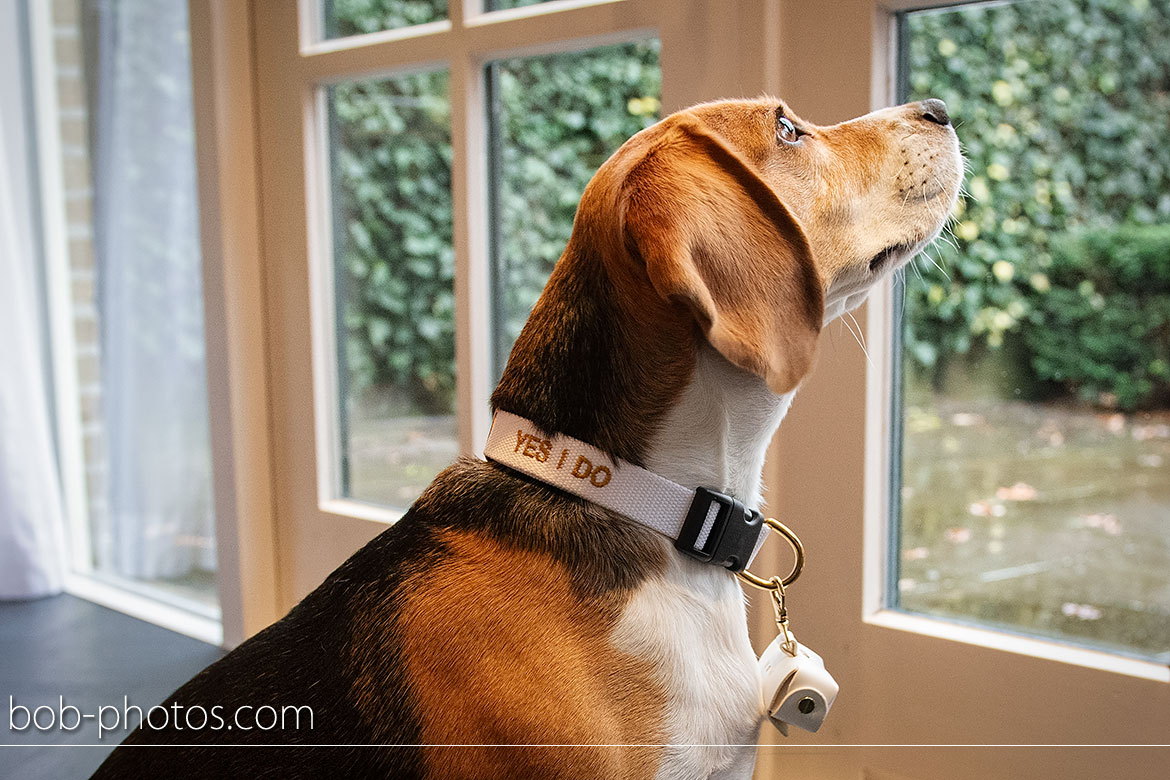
1046, 519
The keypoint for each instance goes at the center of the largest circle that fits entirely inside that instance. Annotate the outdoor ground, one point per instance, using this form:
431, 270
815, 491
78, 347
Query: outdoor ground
393, 459
1049, 518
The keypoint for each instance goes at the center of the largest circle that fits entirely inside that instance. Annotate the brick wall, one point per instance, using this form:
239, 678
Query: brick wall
69, 60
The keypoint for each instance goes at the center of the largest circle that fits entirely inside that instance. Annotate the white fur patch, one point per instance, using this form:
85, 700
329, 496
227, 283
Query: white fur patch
717, 434
691, 624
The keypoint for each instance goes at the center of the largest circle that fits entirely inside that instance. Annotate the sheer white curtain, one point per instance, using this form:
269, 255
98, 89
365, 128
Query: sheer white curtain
32, 544
159, 523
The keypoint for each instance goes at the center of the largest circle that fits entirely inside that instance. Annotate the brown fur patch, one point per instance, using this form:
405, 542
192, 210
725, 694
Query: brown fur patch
601, 356
711, 233
498, 651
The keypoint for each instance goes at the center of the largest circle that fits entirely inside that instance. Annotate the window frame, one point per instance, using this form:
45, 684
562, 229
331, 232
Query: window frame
883, 608
464, 45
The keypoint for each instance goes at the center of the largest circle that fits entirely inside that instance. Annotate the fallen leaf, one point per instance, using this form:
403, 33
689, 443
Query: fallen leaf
1021, 491
958, 535
1081, 611
966, 419
1106, 521
987, 509
1115, 423
1147, 432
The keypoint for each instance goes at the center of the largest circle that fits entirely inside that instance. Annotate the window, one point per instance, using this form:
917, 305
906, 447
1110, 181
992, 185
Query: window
390, 143
1034, 481
977, 682
554, 121
342, 18
550, 121
418, 180
499, 5
123, 280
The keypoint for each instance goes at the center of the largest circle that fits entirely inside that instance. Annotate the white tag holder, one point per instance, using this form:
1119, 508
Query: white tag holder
802, 691
798, 690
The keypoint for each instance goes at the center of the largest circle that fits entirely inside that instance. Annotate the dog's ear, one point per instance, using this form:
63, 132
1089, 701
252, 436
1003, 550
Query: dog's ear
714, 235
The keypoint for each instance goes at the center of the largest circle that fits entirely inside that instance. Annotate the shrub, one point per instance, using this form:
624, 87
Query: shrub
392, 196
558, 118
1103, 329
1062, 108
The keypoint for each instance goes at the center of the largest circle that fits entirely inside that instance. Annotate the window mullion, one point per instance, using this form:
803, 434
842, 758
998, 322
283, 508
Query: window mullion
469, 184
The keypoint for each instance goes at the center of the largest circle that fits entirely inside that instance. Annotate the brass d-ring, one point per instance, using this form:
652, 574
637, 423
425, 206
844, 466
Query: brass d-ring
797, 565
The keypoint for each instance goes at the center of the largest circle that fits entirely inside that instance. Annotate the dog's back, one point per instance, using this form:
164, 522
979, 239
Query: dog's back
480, 618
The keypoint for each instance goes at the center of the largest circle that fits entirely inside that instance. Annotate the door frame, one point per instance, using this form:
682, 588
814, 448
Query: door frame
236, 320
264, 411
315, 530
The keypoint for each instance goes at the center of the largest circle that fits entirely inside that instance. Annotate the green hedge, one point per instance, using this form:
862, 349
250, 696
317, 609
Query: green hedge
1063, 109
343, 18
1103, 330
393, 236
557, 118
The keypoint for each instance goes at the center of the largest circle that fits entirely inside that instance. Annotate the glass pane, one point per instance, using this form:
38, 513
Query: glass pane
555, 120
135, 302
1035, 491
342, 18
391, 160
500, 5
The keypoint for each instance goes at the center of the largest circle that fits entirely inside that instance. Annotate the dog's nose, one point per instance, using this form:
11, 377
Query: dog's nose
934, 110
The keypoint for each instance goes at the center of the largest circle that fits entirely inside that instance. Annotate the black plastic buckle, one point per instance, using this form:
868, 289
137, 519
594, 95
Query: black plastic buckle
733, 535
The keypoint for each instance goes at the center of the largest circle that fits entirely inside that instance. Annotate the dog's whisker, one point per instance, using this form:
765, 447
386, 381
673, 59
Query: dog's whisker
935, 263
857, 338
859, 329
859, 335
919, 272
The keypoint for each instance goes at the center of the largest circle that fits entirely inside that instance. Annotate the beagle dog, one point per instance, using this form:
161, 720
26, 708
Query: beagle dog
506, 628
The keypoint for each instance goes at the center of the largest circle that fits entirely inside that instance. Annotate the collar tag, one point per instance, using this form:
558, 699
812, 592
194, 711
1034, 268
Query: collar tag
704, 524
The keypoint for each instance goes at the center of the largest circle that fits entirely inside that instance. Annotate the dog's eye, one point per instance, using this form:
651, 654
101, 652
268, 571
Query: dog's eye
786, 131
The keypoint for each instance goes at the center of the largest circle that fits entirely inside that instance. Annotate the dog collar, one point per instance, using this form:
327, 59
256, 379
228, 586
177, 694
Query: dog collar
705, 524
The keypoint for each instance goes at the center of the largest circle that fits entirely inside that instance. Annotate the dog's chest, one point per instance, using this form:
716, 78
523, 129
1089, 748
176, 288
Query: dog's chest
691, 625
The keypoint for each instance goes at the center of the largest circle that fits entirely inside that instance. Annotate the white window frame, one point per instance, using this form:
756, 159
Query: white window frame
880, 425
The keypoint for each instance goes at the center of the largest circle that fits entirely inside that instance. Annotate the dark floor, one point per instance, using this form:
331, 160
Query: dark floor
92, 657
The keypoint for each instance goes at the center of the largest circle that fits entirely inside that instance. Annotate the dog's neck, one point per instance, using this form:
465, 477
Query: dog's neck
640, 383
716, 434
592, 364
